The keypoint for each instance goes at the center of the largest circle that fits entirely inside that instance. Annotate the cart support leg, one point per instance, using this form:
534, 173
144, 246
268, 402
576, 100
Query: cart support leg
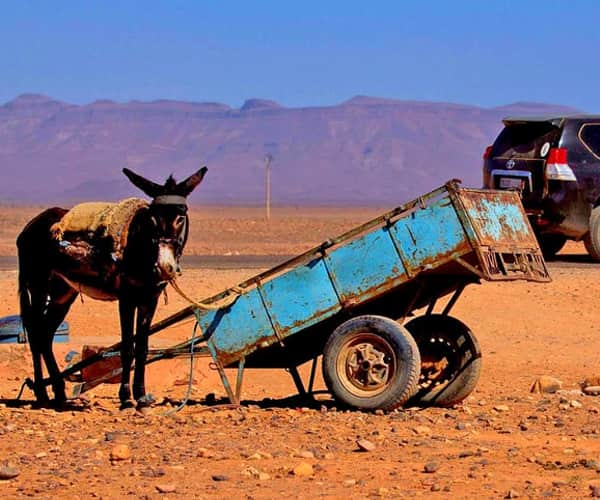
297, 380
413, 301
240, 377
453, 299
431, 306
313, 370
232, 397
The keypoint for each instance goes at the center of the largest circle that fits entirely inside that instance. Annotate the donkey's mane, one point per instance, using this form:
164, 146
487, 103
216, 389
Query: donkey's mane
171, 183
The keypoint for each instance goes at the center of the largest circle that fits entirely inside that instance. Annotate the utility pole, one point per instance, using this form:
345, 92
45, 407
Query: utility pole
268, 159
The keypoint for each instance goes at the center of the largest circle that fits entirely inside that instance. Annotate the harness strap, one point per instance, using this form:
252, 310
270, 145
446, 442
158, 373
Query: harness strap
169, 199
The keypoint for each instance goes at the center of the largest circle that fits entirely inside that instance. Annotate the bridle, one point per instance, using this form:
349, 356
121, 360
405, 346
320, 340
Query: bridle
169, 199
177, 243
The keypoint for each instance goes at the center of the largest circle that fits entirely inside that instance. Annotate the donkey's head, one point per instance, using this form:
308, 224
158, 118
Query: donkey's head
168, 217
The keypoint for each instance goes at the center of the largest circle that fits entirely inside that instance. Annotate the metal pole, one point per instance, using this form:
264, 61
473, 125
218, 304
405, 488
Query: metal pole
268, 159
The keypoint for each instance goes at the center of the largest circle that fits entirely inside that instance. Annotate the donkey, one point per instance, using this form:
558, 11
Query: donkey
51, 276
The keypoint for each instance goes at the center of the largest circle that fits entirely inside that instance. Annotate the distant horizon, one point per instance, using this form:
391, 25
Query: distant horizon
266, 99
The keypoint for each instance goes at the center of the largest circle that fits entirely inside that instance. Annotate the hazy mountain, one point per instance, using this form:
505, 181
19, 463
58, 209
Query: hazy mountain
364, 151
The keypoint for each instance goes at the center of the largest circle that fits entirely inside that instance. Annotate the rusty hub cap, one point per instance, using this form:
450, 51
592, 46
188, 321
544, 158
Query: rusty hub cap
366, 364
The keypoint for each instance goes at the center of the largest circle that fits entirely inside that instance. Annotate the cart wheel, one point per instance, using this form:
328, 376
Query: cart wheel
371, 362
551, 244
450, 359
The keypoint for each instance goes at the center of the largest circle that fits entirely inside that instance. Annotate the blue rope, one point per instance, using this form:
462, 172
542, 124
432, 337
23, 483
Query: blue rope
191, 378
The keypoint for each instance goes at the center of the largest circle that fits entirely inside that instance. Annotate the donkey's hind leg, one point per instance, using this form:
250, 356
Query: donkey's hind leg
33, 321
39, 389
36, 254
60, 299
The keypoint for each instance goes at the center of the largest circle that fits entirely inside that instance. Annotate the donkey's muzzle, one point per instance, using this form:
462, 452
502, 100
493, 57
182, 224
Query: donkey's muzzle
166, 263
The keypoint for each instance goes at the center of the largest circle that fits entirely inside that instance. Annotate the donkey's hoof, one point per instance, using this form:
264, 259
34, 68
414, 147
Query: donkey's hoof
145, 411
41, 397
145, 401
42, 403
126, 405
60, 404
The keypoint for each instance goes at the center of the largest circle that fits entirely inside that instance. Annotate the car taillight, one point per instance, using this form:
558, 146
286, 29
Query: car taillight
558, 155
487, 153
557, 166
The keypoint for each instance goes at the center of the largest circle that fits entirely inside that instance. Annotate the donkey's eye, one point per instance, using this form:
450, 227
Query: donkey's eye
179, 221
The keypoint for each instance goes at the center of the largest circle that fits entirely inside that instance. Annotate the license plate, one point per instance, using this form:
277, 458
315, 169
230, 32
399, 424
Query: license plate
511, 183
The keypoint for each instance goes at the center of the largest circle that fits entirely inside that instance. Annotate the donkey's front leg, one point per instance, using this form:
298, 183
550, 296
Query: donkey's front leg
126, 314
145, 313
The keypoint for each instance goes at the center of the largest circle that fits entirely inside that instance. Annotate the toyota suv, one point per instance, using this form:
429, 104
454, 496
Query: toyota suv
554, 163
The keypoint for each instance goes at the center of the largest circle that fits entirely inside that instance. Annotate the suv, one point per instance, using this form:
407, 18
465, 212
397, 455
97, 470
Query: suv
554, 163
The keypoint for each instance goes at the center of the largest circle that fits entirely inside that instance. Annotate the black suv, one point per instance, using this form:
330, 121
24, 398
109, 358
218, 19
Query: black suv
554, 163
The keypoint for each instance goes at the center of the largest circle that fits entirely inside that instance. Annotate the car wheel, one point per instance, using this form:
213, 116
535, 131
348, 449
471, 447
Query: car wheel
592, 239
371, 362
551, 244
450, 359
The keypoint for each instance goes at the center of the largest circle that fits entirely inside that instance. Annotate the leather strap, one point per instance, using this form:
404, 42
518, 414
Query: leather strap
169, 199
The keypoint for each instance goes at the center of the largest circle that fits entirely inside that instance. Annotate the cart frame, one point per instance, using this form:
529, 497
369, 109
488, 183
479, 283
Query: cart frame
406, 259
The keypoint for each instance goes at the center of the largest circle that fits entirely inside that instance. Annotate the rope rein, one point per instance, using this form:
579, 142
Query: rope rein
233, 294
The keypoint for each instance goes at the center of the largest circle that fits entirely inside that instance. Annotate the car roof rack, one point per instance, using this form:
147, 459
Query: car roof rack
557, 121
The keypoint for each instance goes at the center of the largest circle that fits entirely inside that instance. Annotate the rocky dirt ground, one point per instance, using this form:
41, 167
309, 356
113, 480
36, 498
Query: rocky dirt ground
502, 442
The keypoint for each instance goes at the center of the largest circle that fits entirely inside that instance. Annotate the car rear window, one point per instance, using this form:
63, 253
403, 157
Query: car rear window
590, 136
524, 140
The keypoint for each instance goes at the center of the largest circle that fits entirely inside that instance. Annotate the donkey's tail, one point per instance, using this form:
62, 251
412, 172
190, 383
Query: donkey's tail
24, 292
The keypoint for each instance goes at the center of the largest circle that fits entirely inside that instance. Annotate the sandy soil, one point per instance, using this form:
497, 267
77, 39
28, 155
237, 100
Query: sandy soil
502, 442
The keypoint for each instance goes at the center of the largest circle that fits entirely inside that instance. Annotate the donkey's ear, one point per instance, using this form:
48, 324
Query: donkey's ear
184, 188
150, 188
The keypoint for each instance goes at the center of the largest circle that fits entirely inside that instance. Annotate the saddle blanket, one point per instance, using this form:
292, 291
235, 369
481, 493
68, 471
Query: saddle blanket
99, 220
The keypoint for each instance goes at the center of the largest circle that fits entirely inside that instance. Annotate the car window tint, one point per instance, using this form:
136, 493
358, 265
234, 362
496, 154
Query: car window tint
590, 136
524, 140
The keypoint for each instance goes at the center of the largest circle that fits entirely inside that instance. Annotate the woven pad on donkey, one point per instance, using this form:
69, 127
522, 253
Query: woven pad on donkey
103, 219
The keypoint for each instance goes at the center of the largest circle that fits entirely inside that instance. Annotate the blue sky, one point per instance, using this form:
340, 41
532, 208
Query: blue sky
303, 53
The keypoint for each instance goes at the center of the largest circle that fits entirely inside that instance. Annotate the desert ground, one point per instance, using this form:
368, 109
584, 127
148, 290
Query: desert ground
503, 441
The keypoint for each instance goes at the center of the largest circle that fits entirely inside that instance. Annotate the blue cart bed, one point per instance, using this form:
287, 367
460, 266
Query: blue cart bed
388, 268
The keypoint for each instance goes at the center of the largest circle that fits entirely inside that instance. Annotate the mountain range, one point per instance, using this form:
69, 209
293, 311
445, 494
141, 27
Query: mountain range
365, 151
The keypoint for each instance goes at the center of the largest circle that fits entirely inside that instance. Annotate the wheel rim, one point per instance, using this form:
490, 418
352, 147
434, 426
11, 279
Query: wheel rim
366, 364
440, 361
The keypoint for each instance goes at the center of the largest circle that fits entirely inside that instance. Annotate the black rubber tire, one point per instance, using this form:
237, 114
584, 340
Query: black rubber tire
445, 339
592, 239
551, 244
353, 377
